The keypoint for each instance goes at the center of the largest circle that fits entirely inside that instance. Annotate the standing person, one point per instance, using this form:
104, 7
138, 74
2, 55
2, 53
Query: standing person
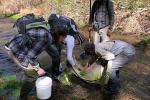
102, 20
24, 49
117, 53
73, 36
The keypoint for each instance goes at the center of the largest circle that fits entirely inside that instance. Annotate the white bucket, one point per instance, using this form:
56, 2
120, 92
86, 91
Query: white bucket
44, 87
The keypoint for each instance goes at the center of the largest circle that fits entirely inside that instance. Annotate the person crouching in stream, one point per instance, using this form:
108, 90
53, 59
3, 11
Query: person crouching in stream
117, 53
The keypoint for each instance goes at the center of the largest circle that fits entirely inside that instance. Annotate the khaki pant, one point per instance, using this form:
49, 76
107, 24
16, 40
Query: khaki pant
101, 35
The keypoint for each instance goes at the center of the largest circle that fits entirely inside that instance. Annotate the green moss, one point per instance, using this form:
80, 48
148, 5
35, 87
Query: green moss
10, 82
1, 72
15, 17
11, 85
15, 93
12, 16
146, 39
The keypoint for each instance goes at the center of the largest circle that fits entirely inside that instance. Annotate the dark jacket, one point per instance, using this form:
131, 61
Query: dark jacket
57, 20
63, 21
102, 14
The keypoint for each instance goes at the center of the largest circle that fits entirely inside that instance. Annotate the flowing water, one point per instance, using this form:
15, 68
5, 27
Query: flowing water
134, 78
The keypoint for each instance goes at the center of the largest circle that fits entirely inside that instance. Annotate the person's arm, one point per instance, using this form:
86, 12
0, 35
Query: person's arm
31, 58
100, 48
111, 13
108, 55
92, 60
70, 46
89, 64
42, 39
73, 25
93, 10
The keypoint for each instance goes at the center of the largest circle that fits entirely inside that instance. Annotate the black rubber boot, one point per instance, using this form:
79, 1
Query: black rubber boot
56, 73
117, 74
113, 85
111, 89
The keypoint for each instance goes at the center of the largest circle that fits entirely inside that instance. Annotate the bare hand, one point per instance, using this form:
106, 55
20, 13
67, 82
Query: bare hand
90, 28
109, 32
85, 68
41, 72
77, 42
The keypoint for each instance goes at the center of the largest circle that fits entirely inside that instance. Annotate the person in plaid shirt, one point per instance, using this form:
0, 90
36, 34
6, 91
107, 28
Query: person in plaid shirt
101, 20
27, 52
24, 49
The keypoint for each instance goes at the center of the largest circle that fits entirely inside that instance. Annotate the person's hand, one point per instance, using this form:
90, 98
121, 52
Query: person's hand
90, 28
110, 30
41, 72
84, 69
77, 42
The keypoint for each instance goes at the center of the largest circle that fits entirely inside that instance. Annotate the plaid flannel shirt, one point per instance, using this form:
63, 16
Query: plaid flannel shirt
27, 54
102, 14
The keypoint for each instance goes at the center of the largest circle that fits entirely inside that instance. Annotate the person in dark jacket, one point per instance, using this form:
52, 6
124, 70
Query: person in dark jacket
101, 20
73, 34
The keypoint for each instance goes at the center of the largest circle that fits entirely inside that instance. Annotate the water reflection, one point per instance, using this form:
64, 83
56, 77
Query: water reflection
6, 64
